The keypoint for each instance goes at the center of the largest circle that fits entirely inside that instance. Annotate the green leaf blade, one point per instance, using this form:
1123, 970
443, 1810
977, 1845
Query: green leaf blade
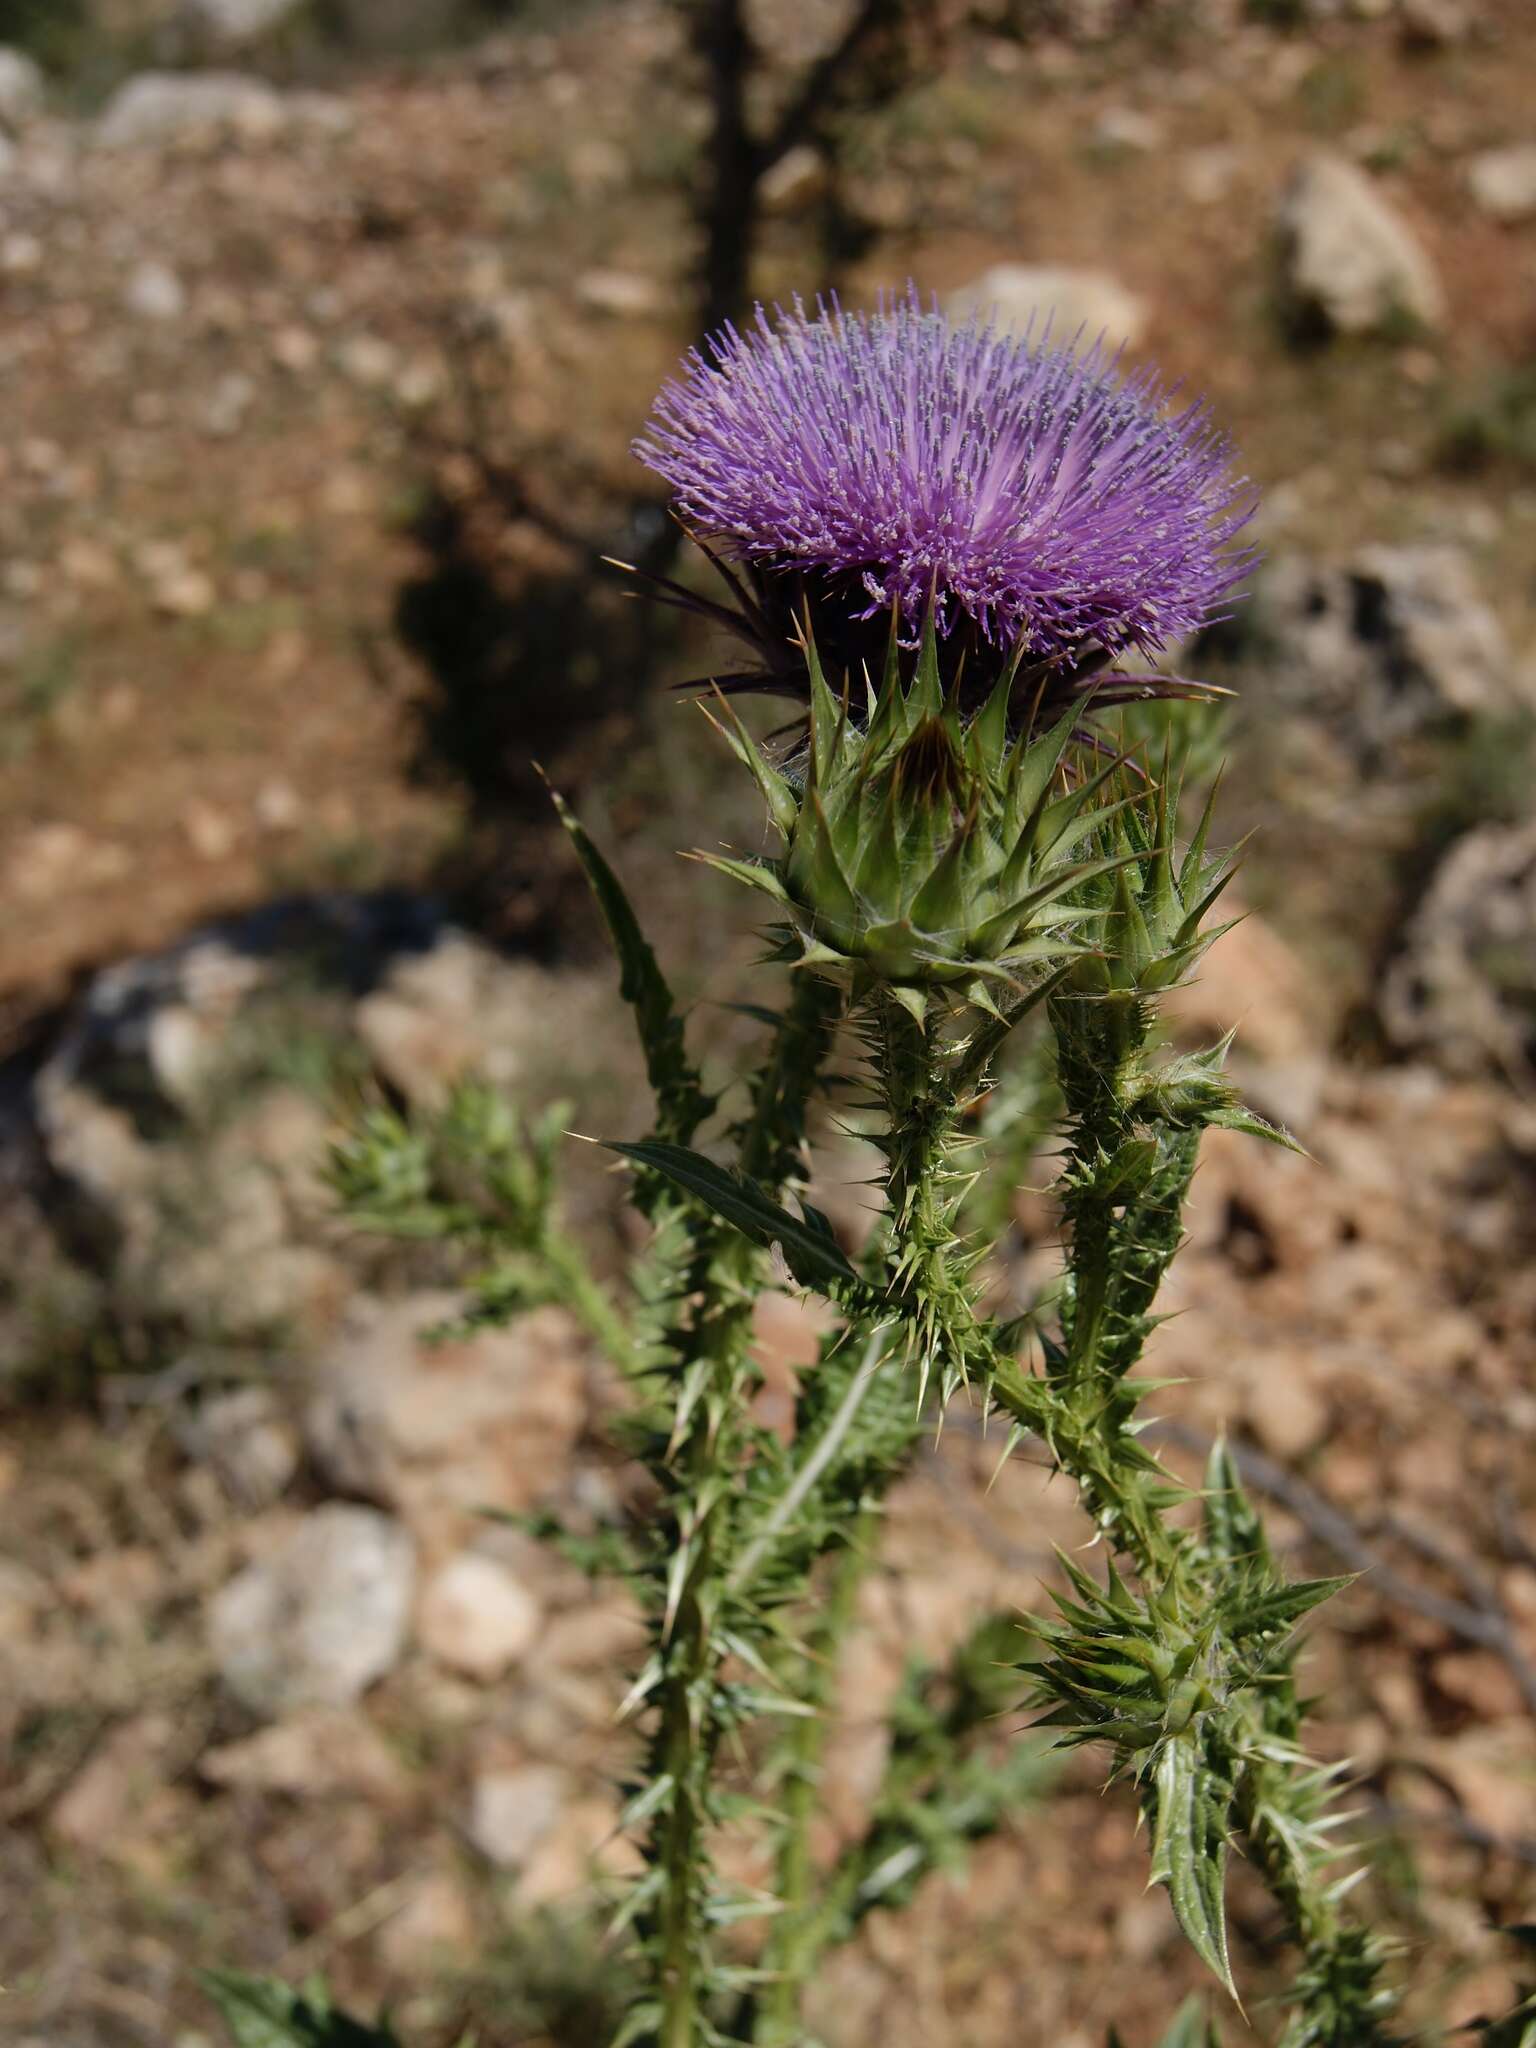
681, 1101
811, 1253
263, 2012
1192, 1805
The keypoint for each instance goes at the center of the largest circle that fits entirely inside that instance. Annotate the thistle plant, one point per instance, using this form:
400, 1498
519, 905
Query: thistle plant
942, 545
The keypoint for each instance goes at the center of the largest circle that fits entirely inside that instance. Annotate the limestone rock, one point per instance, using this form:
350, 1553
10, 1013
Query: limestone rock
104, 1804
283, 1132
216, 1221
58, 859
433, 1924
596, 1636
319, 113
210, 1243
1288, 1415
623, 294
1126, 131
511, 1811
159, 107
1464, 985
196, 109
583, 1844
249, 1442
476, 1617
21, 88
24, 1594
1433, 24
453, 1008
313, 1755
1440, 634
595, 165
1253, 980
1349, 260
1387, 644
1207, 175
227, 406
321, 1618
368, 360
1503, 182
438, 1430
93, 1147
177, 1166
1081, 306
796, 181
221, 27
155, 292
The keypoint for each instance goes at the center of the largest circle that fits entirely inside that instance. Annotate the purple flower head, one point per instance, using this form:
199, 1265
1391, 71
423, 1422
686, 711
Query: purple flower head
1037, 501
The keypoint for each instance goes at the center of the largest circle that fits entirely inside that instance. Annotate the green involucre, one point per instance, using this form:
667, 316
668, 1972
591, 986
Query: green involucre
926, 849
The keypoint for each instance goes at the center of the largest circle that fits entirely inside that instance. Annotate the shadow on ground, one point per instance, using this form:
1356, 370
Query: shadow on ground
526, 672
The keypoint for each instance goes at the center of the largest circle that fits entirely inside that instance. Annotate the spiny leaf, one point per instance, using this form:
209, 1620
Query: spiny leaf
648, 1800
1235, 1117
263, 2012
1233, 1528
641, 2021
1189, 1846
811, 1254
681, 1101
1034, 764
1281, 1607
783, 805
986, 737
752, 872
1190, 2029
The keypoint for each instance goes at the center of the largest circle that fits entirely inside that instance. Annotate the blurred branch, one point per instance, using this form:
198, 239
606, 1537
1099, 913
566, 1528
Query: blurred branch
730, 205
1387, 1813
1476, 1583
823, 82
873, 61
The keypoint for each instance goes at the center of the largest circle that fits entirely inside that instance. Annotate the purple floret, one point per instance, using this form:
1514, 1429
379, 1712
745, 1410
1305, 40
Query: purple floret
1056, 505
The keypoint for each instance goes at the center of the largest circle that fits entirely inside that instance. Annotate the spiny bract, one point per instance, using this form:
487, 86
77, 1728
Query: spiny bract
923, 847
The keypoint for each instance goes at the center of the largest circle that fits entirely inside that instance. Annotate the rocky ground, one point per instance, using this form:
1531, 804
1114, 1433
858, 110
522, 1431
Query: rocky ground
321, 374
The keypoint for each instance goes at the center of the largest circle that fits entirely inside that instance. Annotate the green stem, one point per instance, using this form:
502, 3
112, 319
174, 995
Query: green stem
1338, 1999
1121, 1244
686, 1754
926, 1273
797, 1934
699, 1469
922, 1109
688, 1736
809, 1474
